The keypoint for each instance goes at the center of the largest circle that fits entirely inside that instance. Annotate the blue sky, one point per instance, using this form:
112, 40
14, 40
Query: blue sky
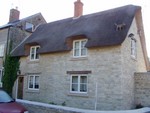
58, 9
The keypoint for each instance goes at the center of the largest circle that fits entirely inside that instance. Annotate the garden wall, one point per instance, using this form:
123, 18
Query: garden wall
37, 107
142, 89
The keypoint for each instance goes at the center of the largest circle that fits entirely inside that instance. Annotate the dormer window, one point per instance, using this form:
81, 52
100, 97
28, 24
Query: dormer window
79, 49
29, 27
33, 53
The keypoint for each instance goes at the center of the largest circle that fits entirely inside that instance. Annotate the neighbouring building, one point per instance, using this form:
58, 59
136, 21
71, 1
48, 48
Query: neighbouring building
15, 31
87, 61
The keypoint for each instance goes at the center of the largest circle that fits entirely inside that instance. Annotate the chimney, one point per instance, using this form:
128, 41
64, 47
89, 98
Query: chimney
14, 15
78, 8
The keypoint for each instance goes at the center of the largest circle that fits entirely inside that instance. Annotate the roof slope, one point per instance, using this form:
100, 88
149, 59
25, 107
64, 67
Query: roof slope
14, 23
99, 28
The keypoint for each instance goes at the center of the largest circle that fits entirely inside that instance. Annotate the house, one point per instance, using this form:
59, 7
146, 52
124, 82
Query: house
87, 61
16, 30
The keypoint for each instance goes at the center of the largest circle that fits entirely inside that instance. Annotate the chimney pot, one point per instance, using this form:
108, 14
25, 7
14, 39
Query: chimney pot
78, 8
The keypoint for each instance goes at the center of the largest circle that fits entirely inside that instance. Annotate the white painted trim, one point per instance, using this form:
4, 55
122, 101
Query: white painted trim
35, 47
78, 92
33, 82
79, 48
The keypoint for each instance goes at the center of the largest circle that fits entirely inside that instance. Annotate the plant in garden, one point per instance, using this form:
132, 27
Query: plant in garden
11, 66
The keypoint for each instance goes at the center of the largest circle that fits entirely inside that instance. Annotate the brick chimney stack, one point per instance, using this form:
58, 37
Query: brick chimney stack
14, 15
78, 8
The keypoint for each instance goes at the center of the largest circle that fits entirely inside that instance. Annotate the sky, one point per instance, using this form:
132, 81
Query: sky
53, 10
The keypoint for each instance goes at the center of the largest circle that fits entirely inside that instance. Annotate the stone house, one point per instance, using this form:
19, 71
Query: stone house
16, 30
87, 61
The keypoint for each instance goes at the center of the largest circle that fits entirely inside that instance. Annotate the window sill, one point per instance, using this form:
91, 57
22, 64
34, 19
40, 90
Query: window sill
32, 91
78, 94
33, 61
78, 58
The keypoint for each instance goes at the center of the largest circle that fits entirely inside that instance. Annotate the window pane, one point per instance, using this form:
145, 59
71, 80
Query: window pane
83, 87
76, 45
83, 79
32, 53
83, 44
74, 79
31, 82
36, 82
32, 56
74, 87
37, 55
76, 52
83, 83
74, 83
32, 50
83, 49
83, 52
76, 48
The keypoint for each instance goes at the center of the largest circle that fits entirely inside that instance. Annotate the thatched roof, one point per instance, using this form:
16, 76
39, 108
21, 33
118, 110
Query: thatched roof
104, 28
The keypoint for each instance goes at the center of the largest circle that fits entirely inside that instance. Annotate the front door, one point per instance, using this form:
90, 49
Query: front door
20, 87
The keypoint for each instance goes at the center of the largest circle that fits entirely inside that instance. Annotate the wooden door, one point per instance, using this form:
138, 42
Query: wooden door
20, 87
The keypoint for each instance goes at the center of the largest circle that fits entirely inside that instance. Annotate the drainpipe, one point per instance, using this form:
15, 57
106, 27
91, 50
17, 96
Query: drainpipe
96, 96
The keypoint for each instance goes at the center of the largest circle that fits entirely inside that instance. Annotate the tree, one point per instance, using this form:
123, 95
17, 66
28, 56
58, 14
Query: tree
11, 67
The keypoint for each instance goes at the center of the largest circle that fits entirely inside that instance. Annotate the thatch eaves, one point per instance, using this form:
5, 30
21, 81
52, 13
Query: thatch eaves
104, 28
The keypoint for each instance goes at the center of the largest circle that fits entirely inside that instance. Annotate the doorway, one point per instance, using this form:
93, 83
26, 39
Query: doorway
20, 87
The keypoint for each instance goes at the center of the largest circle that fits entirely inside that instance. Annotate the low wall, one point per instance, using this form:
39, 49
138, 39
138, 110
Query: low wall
37, 107
142, 88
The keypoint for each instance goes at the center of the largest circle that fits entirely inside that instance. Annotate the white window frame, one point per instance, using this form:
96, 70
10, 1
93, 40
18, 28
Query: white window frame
80, 48
78, 91
133, 48
34, 76
35, 53
2, 47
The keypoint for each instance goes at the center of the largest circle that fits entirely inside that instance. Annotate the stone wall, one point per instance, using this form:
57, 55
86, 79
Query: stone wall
130, 65
142, 89
3, 40
104, 91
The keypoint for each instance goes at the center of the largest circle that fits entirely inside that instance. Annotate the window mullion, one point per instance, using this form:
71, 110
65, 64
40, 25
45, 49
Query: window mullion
33, 82
80, 48
35, 52
78, 83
